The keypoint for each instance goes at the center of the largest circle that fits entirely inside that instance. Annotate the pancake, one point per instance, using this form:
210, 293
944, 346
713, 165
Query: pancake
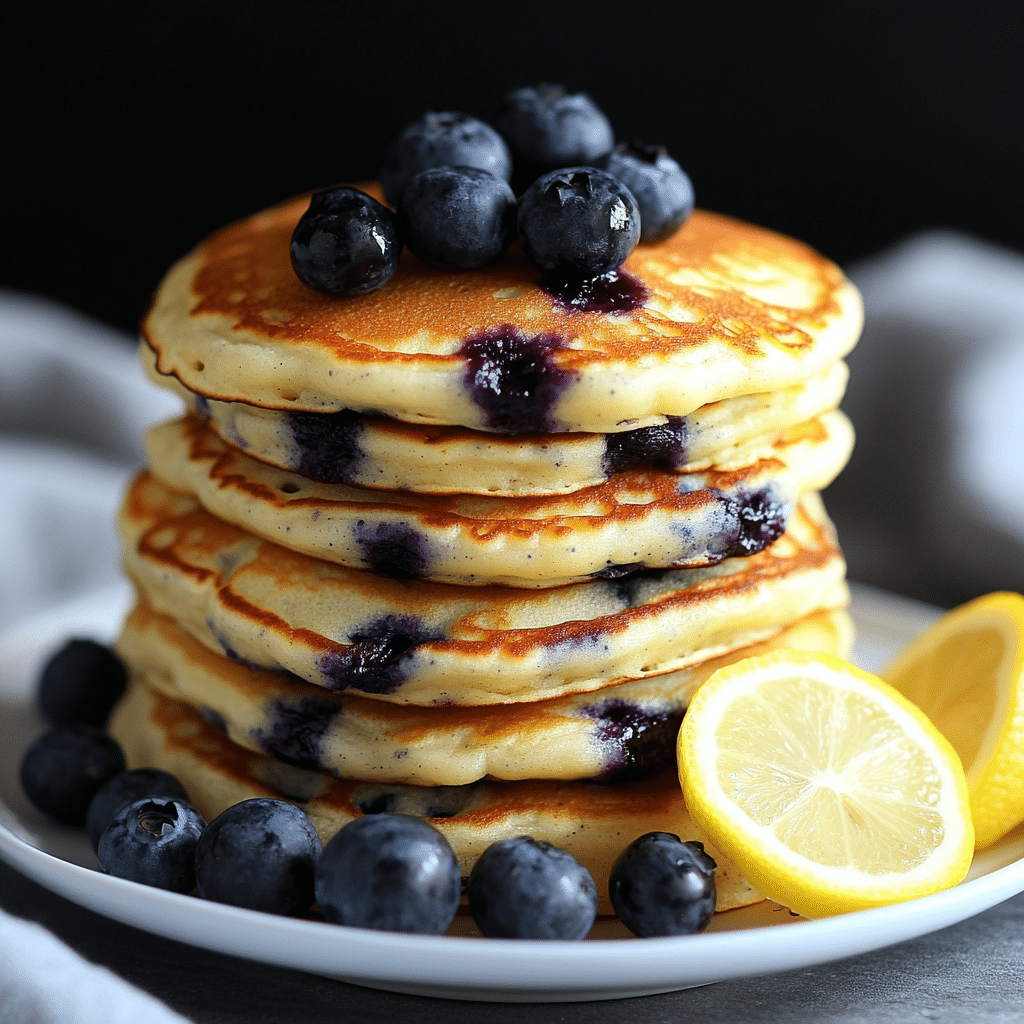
636, 520
593, 821
718, 310
629, 729
416, 642
374, 451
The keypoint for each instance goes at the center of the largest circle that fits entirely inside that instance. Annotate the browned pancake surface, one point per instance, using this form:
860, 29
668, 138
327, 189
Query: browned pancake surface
412, 641
728, 309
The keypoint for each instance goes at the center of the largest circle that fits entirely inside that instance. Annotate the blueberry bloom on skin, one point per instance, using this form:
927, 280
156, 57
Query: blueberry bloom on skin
662, 189
457, 218
660, 885
261, 854
64, 768
445, 139
81, 683
346, 243
153, 842
125, 789
547, 126
390, 872
578, 220
524, 888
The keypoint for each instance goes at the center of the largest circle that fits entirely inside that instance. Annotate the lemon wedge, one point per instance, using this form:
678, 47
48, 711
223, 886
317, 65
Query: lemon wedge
829, 790
966, 672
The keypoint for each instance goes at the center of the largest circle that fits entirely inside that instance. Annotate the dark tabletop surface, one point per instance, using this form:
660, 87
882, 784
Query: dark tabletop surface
972, 971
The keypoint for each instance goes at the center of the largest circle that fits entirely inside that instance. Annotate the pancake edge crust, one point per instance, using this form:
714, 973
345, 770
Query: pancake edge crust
593, 821
377, 452
270, 607
629, 729
732, 309
639, 520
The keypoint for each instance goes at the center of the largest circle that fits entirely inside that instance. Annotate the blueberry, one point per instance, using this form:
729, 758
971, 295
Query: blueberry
578, 220
62, 770
328, 444
153, 841
638, 742
447, 139
762, 521
548, 127
662, 446
662, 886
389, 871
514, 378
377, 660
295, 730
524, 888
662, 189
125, 789
457, 218
346, 243
81, 683
259, 854
395, 549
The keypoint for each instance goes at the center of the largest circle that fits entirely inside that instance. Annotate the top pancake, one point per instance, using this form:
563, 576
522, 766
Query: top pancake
723, 309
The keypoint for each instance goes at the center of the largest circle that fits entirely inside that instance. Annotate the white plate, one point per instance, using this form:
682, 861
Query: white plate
757, 940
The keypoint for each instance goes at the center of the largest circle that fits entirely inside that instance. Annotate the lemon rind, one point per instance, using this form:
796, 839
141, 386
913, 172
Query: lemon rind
816, 890
994, 778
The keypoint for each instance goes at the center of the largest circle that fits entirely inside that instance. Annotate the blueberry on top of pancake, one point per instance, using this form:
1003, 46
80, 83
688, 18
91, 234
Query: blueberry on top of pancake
729, 309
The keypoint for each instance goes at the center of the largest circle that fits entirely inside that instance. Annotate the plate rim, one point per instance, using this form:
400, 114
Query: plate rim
526, 970
472, 959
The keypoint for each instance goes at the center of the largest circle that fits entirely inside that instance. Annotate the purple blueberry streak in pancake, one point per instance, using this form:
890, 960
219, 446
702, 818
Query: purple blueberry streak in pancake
662, 446
435, 802
638, 743
613, 572
297, 731
627, 588
393, 549
215, 718
375, 662
613, 292
228, 649
762, 521
327, 444
741, 526
513, 379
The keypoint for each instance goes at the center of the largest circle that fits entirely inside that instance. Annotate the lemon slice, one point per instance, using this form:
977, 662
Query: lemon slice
829, 790
966, 672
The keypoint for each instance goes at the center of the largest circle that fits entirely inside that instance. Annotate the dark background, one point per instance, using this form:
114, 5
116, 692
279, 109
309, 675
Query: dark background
131, 131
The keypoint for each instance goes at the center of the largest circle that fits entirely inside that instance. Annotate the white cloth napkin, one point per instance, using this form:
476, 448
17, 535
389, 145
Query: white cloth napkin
43, 982
937, 396
74, 404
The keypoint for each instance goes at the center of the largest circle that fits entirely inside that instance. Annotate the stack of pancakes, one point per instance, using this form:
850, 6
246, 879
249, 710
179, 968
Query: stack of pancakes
464, 547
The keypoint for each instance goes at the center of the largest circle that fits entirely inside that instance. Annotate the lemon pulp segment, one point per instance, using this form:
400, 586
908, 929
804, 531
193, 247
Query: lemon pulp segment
852, 791
953, 685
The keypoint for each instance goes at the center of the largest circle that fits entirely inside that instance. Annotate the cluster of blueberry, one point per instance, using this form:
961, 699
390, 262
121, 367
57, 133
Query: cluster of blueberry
384, 871
448, 175
398, 873
259, 853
